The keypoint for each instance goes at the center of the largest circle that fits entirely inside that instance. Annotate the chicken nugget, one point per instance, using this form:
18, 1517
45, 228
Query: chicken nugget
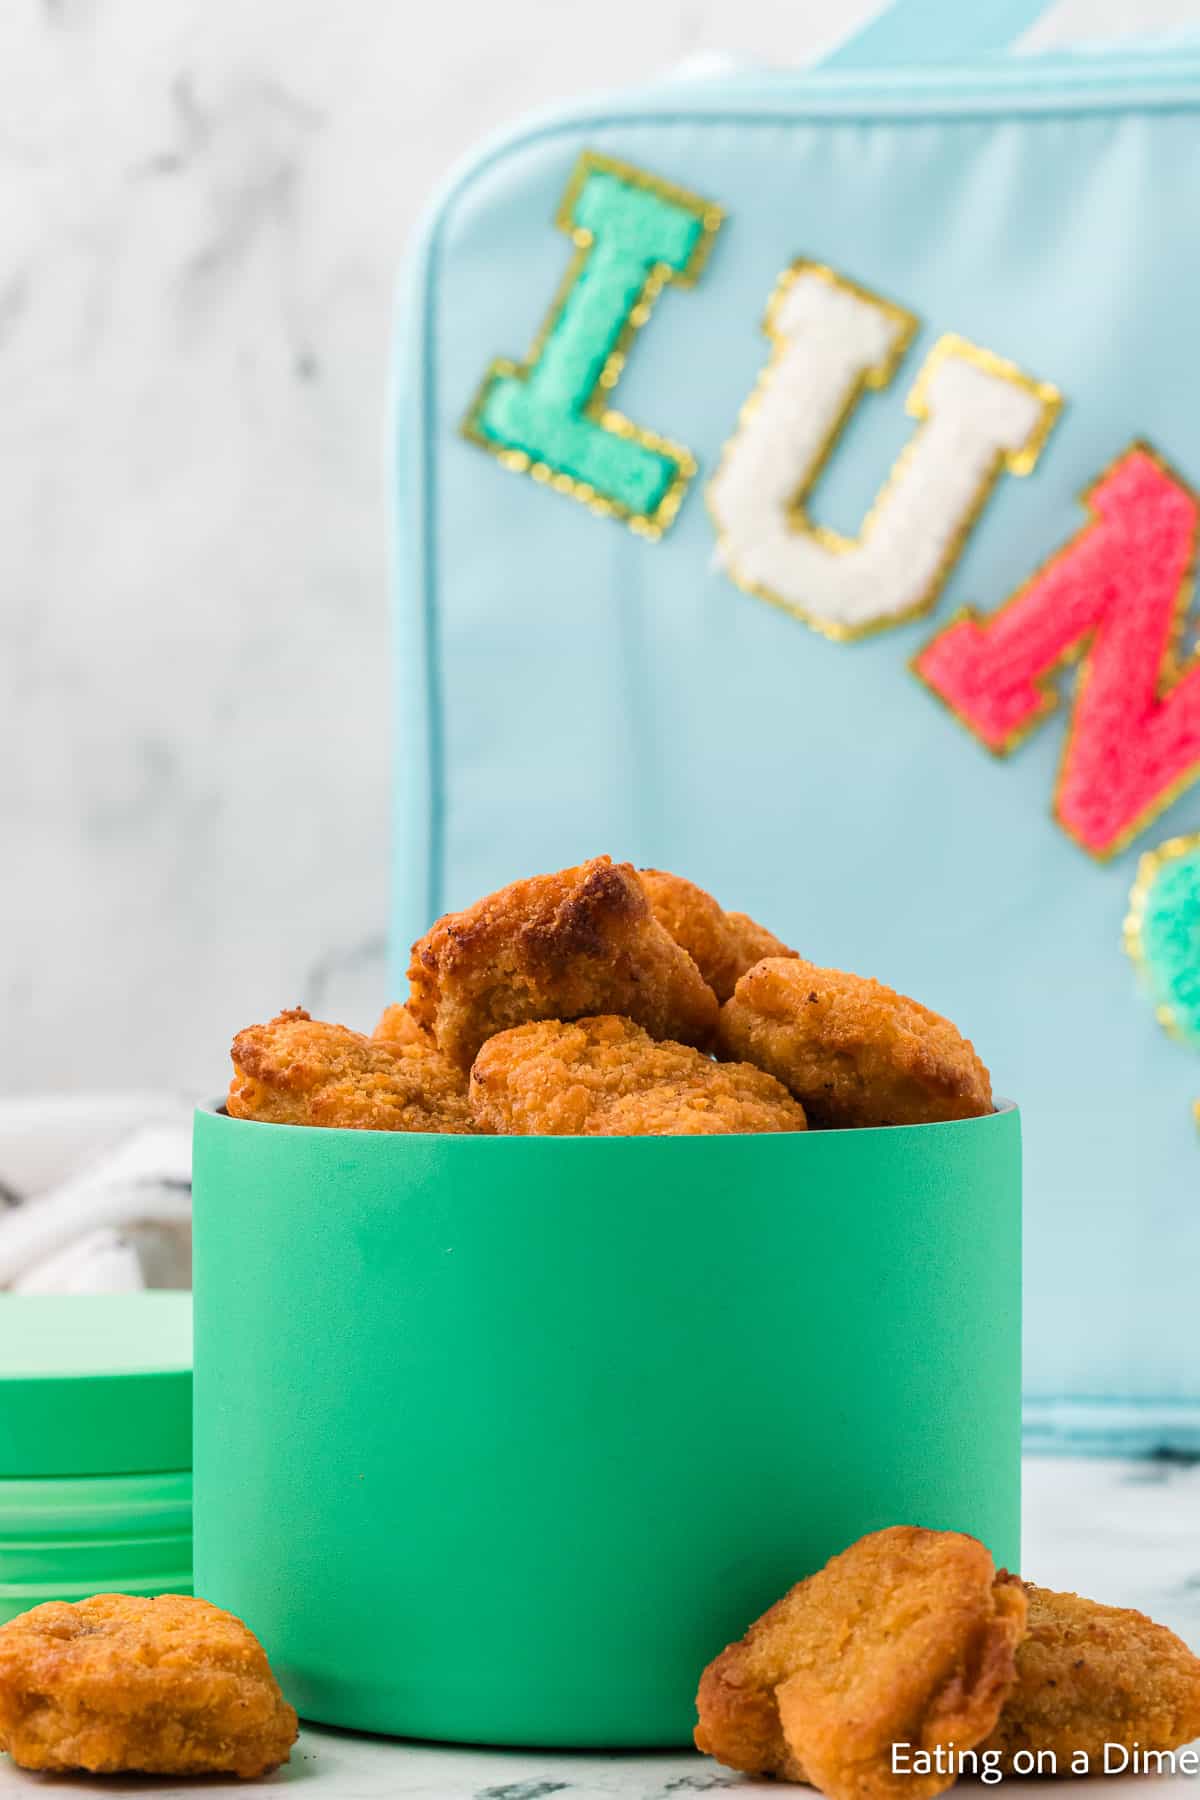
851, 1050
300, 1071
907, 1637
1090, 1675
723, 945
397, 1026
560, 946
606, 1077
168, 1686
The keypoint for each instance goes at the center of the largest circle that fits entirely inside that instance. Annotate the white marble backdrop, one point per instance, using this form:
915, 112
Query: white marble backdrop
202, 207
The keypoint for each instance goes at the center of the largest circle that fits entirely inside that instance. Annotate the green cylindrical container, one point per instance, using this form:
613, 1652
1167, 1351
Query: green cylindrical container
95, 1447
499, 1440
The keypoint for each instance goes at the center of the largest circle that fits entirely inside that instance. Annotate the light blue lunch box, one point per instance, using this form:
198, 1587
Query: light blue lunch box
793, 489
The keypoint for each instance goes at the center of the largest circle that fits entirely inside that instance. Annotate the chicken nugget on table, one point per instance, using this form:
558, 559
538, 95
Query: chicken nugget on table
1090, 1675
560, 946
606, 1077
723, 945
120, 1683
908, 1637
854, 1052
296, 1070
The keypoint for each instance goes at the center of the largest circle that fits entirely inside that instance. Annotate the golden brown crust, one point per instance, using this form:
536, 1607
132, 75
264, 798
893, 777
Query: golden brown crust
168, 1686
723, 945
1090, 1675
906, 1637
301, 1071
397, 1026
853, 1051
606, 1077
753, 942
559, 946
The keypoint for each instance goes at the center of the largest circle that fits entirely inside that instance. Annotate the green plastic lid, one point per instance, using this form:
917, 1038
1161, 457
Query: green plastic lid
64, 1537
95, 1384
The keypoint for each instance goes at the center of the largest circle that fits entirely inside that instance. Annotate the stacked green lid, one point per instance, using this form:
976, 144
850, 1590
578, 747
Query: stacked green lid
95, 1446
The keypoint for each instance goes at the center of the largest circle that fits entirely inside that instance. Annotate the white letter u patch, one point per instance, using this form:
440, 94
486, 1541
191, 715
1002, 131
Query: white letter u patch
979, 416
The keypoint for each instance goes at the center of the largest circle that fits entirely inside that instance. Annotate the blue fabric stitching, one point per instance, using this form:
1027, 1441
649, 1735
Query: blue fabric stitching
435, 745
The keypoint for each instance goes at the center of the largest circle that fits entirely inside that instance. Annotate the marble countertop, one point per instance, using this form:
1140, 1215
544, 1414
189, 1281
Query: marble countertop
1120, 1532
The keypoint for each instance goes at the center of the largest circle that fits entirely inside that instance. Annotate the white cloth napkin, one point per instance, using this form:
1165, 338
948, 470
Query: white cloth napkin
95, 1193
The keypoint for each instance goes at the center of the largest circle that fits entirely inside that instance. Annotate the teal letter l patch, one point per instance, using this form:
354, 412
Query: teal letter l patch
549, 417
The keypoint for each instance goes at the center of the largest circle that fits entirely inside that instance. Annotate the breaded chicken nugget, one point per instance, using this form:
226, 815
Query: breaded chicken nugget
558, 946
723, 945
1090, 1675
853, 1051
397, 1026
301, 1071
906, 1637
169, 1686
606, 1077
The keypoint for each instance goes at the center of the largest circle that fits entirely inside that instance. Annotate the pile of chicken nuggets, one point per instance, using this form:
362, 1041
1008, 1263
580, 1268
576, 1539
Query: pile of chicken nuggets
909, 1660
607, 1001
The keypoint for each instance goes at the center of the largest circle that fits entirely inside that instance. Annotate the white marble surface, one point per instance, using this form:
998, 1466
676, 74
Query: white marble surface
202, 207
1124, 1533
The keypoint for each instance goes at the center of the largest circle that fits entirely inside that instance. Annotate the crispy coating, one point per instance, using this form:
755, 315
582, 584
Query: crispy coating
1090, 1675
169, 1686
558, 946
301, 1071
397, 1026
907, 1636
723, 945
853, 1051
606, 1077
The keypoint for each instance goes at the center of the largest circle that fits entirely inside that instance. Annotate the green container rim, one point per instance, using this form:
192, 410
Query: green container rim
217, 1109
